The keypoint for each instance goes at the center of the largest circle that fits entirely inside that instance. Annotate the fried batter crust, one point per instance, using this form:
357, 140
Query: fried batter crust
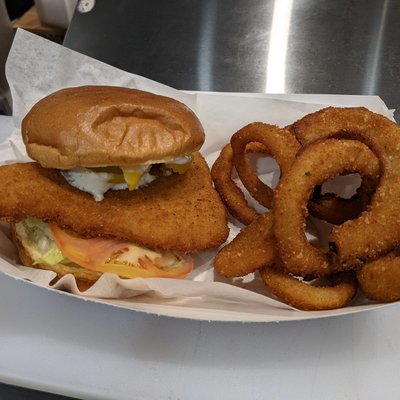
250, 250
380, 279
180, 213
305, 296
279, 143
230, 193
356, 241
317, 163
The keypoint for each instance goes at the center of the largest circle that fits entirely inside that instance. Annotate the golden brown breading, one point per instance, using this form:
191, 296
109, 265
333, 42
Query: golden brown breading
337, 210
355, 241
279, 143
317, 163
380, 279
181, 213
250, 250
341, 289
230, 193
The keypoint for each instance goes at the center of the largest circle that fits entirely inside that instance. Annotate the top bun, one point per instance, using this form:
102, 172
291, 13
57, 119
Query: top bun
94, 126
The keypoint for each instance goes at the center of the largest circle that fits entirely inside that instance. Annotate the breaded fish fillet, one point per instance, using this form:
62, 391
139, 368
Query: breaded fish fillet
179, 213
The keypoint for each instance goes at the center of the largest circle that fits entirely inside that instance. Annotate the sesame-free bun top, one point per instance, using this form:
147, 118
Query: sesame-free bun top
93, 126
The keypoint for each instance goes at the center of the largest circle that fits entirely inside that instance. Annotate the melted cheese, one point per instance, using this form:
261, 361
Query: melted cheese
98, 181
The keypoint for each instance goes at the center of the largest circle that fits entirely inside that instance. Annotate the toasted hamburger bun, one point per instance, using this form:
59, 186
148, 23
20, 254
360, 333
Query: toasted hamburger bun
97, 126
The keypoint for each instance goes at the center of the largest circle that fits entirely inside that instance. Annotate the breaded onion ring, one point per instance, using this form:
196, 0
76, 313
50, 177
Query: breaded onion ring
250, 250
279, 143
317, 163
380, 279
305, 296
229, 192
330, 207
336, 210
377, 230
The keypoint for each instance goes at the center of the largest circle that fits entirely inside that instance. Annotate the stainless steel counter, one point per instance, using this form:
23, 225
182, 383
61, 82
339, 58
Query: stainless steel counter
281, 46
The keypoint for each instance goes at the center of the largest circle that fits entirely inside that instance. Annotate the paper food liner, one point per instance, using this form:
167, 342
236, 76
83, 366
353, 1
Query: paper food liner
37, 67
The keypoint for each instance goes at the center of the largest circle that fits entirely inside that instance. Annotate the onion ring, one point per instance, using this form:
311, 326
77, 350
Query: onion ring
316, 163
250, 250
337, 210
380, 279
229, 192
334, 209
305, 296
355, 241
329, 207
279, 143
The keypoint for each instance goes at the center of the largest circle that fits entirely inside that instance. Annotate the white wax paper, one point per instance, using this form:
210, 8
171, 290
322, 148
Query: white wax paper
37, 67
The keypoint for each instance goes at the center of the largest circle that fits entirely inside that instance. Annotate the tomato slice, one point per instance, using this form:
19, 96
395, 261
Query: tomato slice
119, 257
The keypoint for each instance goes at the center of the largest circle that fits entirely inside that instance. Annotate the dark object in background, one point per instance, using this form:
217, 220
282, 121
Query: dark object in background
10, 392
6, 38
16, 8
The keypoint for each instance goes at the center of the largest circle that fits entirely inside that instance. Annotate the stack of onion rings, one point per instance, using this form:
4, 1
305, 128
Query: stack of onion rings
355, 241
255, 138
330, 142
317, 163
